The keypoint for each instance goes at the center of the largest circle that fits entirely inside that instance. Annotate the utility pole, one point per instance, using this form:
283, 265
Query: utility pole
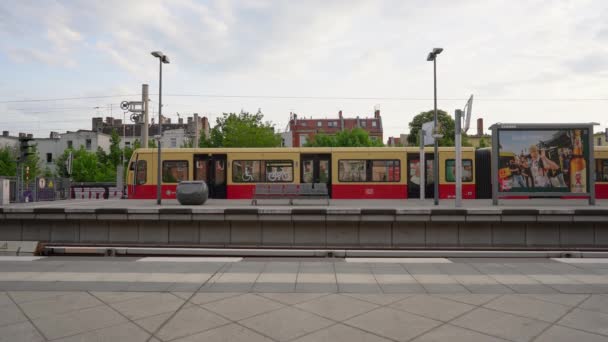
144, 125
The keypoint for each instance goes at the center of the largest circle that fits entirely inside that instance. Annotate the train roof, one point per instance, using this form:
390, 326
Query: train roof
307, 150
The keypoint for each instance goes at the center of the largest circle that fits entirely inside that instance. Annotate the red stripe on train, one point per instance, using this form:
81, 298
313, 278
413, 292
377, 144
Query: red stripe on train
364, 191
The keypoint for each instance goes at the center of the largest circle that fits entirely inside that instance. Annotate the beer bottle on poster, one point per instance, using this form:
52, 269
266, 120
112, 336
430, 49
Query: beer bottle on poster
578, 167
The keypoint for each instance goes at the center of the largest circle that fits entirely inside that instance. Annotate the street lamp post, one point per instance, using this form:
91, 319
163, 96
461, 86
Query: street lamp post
163, 59
433, 57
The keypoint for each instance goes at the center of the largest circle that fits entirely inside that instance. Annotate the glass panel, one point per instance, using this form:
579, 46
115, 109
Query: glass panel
308, 171
352, 170
601, 170
278, 171
429, 172
200, 171
323, 171
246, 171
384, 171
450, 170
142, 172
220, 171
415, 171
175, 171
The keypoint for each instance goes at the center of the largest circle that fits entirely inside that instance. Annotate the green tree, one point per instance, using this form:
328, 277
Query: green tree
8, 161
356, 137
446, 124
483, 142
152, 143
115, 154
241, 130
33, 162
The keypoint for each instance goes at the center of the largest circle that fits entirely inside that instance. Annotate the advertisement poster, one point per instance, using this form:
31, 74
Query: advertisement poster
543, 160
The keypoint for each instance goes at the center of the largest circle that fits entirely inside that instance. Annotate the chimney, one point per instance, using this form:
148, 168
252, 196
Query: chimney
189, 120
30, 136
5, 133
180, 121
109, 120
340, 114
377, 113
480, 127
21, 135
54, 135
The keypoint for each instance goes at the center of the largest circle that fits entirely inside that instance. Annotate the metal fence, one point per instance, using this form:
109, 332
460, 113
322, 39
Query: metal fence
43, 189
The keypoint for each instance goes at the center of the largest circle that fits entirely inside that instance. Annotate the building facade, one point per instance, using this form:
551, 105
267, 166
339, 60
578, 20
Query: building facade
49, 149
7, 140
174, 134
304, 129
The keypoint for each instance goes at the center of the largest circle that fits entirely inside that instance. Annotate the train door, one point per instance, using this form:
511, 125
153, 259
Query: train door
316, 168
413, 175
212, 169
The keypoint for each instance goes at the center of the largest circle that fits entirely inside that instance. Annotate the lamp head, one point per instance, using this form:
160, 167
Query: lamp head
158, 54
437, 51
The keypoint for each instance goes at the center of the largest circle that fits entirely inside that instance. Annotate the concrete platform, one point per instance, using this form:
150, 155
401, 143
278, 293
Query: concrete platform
388, 224
135, 299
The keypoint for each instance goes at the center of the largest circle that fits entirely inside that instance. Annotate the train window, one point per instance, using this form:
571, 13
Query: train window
601, 170
386, 171
278, 171
450, 170
352, 170
200, 169
175, 171
142, 172
246, 171
220, 171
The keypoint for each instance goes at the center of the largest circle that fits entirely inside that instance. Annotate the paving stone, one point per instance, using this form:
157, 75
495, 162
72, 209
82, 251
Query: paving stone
562, 334
206, 297
227, 333
116, 297
23, 331
58, 305
122, 332
592, 321
473, 299
393, 324
292, 298
596, 303
187, 322
455, 334
148, 305
380, 299
10, 314
503, 325
564, 299
76, 322
286, 324
340, 333
5, 300
432, 307
528, 307
337, 307
240, 307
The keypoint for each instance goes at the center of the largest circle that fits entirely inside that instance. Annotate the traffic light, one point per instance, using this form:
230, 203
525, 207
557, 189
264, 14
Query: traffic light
24, 147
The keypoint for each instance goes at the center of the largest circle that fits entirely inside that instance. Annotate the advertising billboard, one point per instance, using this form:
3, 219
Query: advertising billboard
537, 159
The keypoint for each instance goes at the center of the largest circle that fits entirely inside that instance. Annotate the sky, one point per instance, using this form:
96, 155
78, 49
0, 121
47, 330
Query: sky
524, 61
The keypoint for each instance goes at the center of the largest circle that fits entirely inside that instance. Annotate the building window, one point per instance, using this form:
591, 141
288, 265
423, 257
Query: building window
49, 157
173, 142
450, 170
303, 139
374, 138
363, 124
175, 171
599, 141
262, 171
374, 123
70, 144
319, 124
127, 143
303, 123
88, 144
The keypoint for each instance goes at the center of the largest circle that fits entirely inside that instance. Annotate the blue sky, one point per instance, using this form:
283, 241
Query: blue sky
532, 61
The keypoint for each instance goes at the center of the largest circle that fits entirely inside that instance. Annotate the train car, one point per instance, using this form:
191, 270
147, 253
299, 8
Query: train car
601, 172
350, 173
373, 173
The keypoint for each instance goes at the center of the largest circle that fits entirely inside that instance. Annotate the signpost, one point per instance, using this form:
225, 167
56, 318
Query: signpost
458, 142
543, 160
426, 138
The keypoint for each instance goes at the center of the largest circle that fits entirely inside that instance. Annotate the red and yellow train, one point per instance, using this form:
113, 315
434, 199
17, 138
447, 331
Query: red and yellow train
350, 173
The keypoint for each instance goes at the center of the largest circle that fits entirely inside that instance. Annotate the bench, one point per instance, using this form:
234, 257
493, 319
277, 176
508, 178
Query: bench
290, 192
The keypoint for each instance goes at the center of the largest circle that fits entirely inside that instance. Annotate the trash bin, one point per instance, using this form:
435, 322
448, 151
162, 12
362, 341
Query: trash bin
192, 193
